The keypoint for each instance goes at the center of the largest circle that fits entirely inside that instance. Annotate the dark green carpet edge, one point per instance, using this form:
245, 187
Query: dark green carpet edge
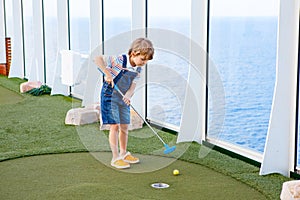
69, 142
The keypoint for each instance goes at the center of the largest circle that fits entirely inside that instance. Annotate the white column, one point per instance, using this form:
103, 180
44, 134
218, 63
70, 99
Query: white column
63, 44
17, 64
94, 79
96, 25
63, 31
37, 62
138, 18
279, 150
138, 27
2, 33
193, 117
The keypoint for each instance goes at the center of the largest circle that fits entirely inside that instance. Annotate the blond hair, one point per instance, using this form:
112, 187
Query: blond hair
142, 46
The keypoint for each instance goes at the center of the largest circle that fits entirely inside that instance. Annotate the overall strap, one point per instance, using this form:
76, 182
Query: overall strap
124, 61
116, 79
139, 69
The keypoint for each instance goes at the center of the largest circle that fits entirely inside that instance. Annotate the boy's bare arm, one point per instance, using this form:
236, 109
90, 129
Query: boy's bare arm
99, 61
129, 93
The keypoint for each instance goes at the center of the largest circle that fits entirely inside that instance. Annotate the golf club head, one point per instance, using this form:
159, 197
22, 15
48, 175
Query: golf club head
169, 149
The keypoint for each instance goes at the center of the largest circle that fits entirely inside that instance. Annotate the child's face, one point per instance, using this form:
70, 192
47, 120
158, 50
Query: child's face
139, 60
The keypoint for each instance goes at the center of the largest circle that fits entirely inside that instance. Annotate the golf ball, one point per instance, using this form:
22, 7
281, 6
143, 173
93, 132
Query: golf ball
175, 172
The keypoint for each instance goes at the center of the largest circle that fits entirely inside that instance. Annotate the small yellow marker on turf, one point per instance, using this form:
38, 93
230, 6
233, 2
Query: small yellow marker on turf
175, 172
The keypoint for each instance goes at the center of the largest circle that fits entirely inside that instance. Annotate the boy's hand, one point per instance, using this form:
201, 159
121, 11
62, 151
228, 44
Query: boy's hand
109, 79
126, 99
129, 94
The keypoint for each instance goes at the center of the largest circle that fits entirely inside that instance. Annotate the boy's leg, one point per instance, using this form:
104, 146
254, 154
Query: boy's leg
113, 140
127, 157
116, 161
123, 138
111, 112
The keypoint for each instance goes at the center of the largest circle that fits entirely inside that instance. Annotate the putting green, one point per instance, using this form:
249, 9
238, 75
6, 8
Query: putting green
8, 96
81, 176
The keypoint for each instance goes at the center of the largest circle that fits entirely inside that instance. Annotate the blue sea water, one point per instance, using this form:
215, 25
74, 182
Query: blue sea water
243, 50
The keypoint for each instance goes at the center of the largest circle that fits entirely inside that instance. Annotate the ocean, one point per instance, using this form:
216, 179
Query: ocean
244, 52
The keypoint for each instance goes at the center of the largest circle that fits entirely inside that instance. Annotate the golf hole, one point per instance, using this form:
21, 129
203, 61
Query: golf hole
159, 185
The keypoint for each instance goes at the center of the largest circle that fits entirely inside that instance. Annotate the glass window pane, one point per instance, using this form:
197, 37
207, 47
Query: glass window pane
117, 17
242, 45
175, 18
28, 35
80, 39
168, 70
80, 26
51, 48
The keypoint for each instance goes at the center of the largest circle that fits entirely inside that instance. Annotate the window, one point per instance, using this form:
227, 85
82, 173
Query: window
80, 26
167, 73
242, 45
117, 17
79, 40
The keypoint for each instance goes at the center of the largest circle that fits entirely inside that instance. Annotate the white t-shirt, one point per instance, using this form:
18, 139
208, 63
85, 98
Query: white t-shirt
114, 64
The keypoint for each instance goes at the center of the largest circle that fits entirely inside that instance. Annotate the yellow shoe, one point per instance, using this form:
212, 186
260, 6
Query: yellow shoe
128, 158
119, 164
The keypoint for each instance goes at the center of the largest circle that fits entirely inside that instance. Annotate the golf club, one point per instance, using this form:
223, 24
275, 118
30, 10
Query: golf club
168, 148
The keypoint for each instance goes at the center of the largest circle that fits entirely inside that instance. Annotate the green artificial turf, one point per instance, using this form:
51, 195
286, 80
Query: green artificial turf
35, 126
79, 176
9, 97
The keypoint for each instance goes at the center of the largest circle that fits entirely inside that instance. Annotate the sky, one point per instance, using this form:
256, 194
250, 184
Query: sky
181, 8
178, 8
244, 7
217, 7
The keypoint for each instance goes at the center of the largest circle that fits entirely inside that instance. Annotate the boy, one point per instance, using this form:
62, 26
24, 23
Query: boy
124, 71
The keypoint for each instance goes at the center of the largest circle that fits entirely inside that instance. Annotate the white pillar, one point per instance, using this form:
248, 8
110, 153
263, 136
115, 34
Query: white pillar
17, 64
193, 118
138, 18
62, 18
37, 61
2, 33
279, 150
94, 79
138, 27
95, 25
63, 44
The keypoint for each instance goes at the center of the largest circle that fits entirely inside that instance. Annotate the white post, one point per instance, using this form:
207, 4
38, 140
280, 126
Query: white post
193, 117
279, 150
17, 64
94, 79
37, 61
138, 27
138, 18
2, 33
63, 44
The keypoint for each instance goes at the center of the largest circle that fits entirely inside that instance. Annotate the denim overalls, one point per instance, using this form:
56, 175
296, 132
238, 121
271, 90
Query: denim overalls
113, 108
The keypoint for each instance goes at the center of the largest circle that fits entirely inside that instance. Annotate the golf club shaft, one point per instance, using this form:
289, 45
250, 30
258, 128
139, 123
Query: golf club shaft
116, 88
148, 124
